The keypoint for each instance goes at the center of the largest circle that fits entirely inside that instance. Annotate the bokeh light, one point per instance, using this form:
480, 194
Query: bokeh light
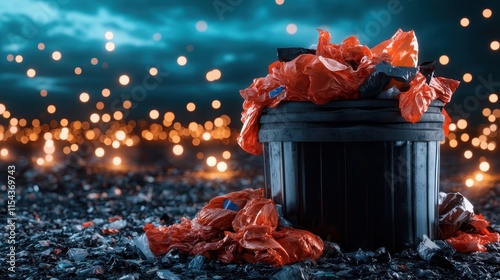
291, 28
467, 77
99, 152
153, 71
56, 55
211, 161
4, 152
105, 92
444, 59
469, 182
484, 166
108, 35
84, 97
201, 26
43, 93
51, 109
78, 70
19, 58
124, 80
216, 104
495, 45
487, 13
181, 60
221, 166
154, 114
110, 46
31, 73
493, 98
464, 22
190, 107
178, 150
468, 154
117, 161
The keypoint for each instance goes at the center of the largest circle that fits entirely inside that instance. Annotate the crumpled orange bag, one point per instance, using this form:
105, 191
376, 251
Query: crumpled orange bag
474, 241
335, 72
250, 234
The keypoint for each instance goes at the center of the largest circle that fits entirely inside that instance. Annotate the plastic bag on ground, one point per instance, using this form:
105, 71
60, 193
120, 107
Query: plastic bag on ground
460, 227
249, 234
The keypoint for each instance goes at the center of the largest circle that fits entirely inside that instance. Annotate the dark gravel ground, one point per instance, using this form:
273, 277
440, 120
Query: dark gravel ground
51, 243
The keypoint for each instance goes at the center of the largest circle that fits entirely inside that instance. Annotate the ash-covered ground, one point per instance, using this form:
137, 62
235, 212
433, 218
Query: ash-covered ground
86, 223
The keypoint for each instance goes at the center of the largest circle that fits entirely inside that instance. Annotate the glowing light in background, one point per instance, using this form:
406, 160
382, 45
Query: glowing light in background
99, 152
10, 57
105, 92
444, 59
84, 97
108, 35
464, 22
462, 124
178, 150
201, 26
56, 55
78, 70
484, 166
124, 80
468, 154
181, 60
95, 118
41, 46
43, 93
280, 2
40, 161
19, 58
226, 154
4, 152
190, 107
487, 13
467, 77
479, 177
99, 105
216, 104
31, 73
120, 135
157, 36
153, 71
127, 104
117, 161
469, 182
117, 115
154, 114
222, 166
94, 61
291, 28
493, 98
51, 109
213, 75
2, 108
110, 46
211, 161
495, 45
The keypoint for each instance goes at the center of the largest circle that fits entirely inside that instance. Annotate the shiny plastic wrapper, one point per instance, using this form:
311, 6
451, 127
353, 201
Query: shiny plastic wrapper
454, 210
247, 232
335, 72
479, 234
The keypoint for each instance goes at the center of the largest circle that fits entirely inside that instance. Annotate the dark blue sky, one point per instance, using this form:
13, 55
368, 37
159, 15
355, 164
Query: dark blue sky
237, 37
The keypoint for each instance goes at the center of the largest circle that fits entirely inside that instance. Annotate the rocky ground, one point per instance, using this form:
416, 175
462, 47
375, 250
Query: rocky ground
86, 223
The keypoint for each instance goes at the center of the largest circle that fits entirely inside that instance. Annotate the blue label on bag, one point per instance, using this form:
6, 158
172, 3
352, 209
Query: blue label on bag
277, 91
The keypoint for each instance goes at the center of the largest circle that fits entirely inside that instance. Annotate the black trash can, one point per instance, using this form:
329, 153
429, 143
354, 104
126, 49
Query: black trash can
355, 172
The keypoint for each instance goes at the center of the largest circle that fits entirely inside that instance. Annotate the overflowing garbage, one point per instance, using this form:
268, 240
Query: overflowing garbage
342, 71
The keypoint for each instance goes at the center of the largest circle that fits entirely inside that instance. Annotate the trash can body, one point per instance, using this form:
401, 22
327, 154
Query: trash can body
354, 172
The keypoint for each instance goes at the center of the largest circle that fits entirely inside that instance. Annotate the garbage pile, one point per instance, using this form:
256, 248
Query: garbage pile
236, 227
347, 70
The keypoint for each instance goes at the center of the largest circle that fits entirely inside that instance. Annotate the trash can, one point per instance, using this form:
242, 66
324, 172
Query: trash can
354, 171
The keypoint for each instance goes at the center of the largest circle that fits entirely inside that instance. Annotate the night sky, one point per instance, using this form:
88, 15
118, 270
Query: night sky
236, 37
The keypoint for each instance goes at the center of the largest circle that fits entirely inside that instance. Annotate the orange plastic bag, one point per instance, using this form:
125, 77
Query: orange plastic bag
474, 241
335, 72
249, 234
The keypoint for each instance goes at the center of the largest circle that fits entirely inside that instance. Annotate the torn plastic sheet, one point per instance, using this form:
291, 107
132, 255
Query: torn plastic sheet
250, 234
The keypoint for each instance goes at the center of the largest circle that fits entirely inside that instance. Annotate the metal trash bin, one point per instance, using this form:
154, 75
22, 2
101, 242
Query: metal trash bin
354, 171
